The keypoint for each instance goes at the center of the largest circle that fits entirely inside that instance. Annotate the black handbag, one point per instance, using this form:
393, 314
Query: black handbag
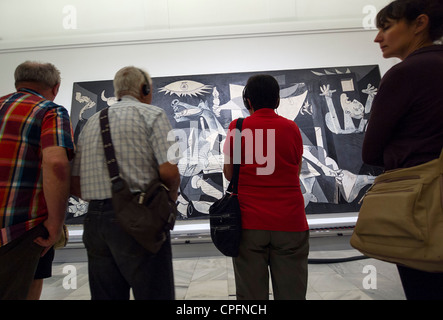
225, 214
147, 216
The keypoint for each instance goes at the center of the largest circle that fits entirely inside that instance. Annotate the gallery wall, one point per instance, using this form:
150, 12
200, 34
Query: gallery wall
200, 56
319, 43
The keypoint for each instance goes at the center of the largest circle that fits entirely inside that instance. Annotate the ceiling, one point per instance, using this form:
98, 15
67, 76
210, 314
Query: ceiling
48, 22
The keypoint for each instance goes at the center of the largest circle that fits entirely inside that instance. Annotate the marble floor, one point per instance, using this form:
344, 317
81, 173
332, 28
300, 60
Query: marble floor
211, 277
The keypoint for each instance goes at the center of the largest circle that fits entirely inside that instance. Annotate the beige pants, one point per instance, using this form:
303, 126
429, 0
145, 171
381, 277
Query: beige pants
284, 254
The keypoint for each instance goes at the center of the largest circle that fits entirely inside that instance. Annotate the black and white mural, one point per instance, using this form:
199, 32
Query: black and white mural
331, 106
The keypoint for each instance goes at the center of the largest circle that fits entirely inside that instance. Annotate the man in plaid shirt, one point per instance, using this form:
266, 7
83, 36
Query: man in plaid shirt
116, 262
35, 149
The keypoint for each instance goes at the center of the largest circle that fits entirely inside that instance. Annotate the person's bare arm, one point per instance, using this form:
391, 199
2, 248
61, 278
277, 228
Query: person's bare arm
170, 176
299, 165
56, 173
228, 168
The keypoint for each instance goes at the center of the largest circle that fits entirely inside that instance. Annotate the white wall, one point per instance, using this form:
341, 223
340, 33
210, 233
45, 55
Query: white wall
205, 56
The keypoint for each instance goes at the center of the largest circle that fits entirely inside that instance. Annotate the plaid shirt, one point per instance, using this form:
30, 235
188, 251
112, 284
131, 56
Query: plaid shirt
28, 124
139, 134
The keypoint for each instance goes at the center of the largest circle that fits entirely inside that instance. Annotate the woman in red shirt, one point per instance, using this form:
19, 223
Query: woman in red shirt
275, 229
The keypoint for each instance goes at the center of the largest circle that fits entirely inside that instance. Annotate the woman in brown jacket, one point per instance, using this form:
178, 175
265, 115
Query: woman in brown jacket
405, 128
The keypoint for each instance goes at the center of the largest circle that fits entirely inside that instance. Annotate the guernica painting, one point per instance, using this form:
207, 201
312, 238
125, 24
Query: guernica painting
331, 106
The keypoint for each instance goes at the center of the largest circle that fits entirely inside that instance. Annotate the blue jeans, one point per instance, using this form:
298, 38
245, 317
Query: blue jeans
117, 263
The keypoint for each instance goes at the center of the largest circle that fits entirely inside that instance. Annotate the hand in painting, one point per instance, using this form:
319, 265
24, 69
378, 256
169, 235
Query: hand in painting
370, 90
326, 91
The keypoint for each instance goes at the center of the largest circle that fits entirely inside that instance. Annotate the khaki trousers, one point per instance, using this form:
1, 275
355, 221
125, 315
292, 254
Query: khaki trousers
283, 254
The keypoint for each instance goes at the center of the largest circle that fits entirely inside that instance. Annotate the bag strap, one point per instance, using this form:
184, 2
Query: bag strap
441, 162
111, 160
233, 185
441, 177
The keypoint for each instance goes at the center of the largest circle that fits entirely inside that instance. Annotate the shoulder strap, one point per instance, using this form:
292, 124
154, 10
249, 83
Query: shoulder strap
441, 164
233, 185
111, 160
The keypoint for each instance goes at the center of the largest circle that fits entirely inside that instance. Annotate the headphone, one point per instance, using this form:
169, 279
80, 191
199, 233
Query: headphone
146, 89
245, 98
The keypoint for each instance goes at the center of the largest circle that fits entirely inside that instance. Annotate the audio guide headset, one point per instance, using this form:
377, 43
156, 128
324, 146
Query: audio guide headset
245, 98
146, 89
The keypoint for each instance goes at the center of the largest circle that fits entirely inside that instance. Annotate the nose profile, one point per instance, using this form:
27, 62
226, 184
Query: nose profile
378, 38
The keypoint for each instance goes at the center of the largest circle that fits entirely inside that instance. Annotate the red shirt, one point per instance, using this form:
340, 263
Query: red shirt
269, 186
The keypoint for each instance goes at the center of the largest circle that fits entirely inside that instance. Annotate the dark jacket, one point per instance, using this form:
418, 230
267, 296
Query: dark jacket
406, 124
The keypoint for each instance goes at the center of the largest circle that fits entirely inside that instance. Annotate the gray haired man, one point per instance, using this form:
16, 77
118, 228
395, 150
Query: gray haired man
139, 130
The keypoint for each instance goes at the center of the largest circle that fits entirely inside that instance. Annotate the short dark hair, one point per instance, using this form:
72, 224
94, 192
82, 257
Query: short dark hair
410, 10
263, 91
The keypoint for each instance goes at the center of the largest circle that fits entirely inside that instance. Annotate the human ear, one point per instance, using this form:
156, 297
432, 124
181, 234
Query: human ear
421, 23
56, 89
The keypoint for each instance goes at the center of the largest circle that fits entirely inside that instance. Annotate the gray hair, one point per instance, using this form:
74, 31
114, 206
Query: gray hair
128, 81
43, 73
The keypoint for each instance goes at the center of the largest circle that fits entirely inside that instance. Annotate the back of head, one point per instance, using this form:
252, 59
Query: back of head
129, 80
262, 91
43, 74
410, 10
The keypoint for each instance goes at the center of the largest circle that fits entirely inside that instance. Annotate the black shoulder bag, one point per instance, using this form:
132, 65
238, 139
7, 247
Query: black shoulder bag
224, 214
147, 216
